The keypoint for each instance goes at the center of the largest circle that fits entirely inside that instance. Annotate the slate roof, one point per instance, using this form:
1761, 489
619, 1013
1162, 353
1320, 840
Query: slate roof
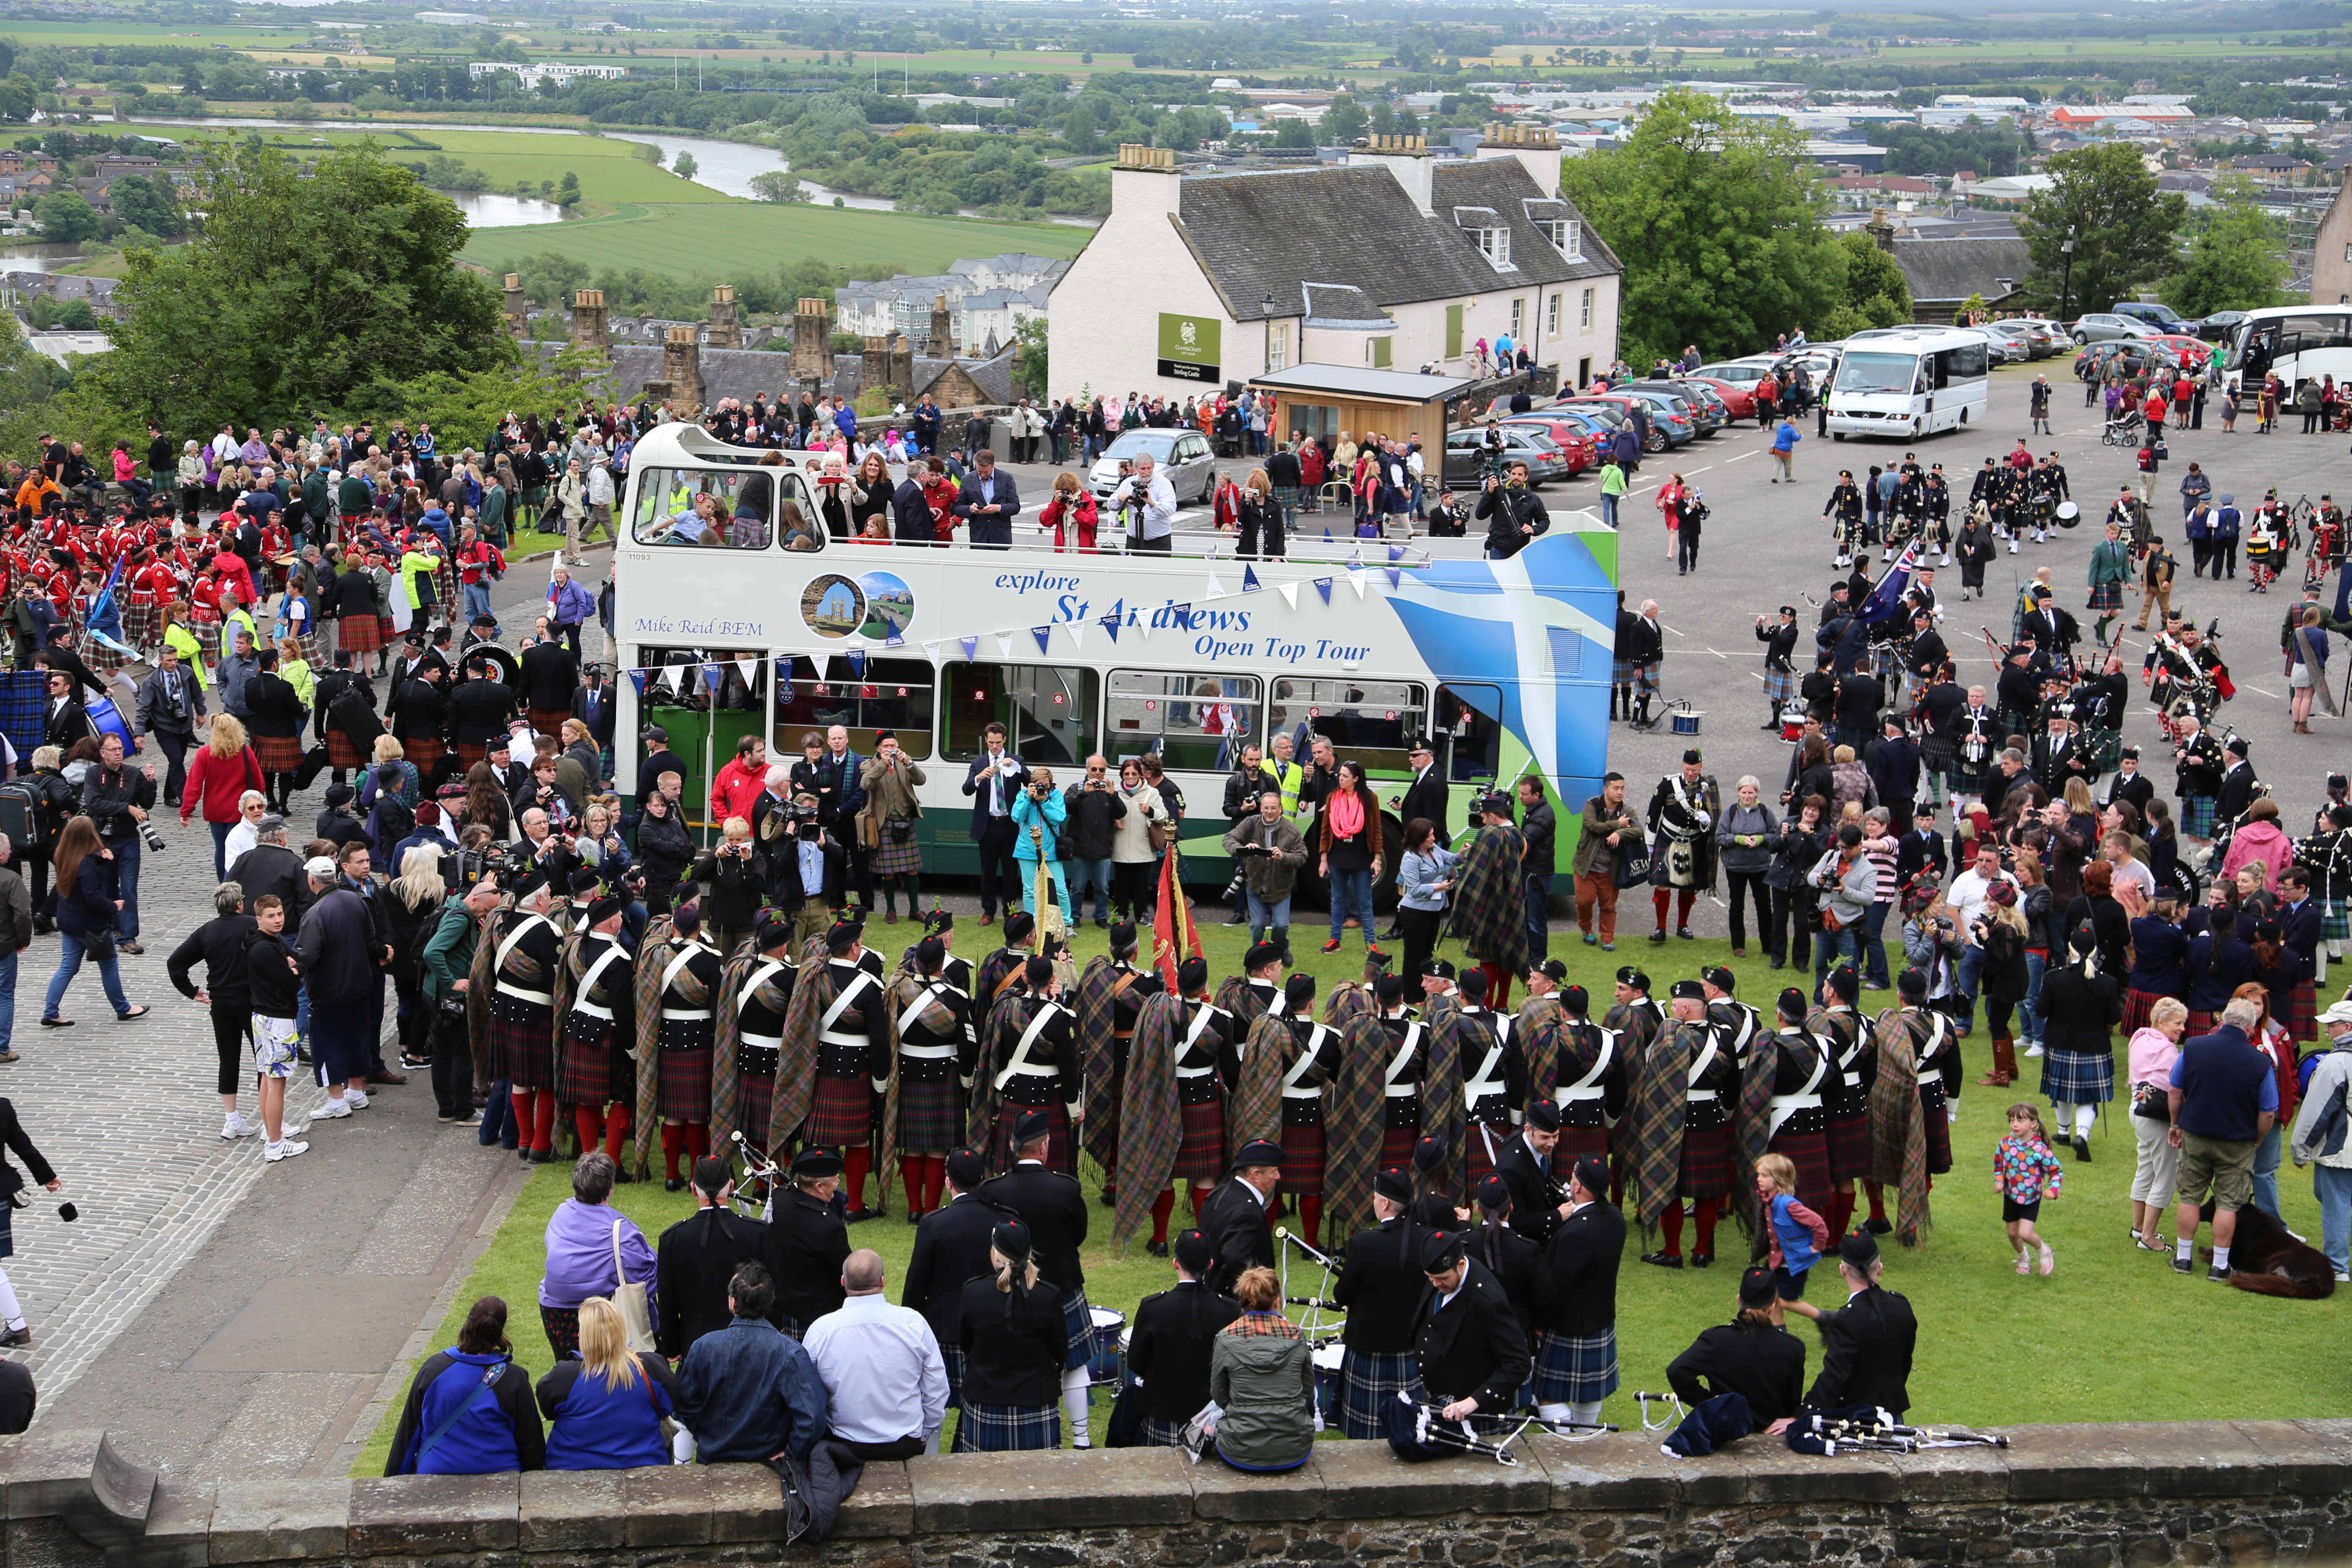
1261, 234
1342, 305
1949, 270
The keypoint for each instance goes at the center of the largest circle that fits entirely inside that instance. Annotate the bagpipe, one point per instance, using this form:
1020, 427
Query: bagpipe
1869, 1430
1316, 1328
1419, 1430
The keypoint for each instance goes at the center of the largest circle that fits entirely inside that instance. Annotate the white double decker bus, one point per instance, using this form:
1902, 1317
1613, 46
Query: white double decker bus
743, 614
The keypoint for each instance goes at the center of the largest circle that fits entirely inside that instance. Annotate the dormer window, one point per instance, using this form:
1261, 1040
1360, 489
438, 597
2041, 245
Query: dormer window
1494, 244
1566, 236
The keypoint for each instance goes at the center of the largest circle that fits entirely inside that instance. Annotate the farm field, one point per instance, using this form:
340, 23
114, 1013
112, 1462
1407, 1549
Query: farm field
721, 236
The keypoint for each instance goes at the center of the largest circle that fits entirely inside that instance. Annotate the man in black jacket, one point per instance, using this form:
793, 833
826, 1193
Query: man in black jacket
1576, 1368
1381, 1286
950, 1248
1866, 1345
551, 672
1513, 514
1752, 1356
1095, 811
1469, 1352
1524, 1162
1054, 1208
811, 1242
698, 1258
1235, 1218
1168, 1348
2237, 791
270, 866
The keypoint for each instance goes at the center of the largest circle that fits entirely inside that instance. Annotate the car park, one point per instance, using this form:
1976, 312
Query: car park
2037, 337
1739, 396
1667, 403
1666, 429
1466, 457
2155, 318
2106, 327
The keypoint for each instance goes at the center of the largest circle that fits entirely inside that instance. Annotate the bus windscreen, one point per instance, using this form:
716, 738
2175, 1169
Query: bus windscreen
1891, 375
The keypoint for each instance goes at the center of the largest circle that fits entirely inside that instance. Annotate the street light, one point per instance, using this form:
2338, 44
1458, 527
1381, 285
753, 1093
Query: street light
2066, 282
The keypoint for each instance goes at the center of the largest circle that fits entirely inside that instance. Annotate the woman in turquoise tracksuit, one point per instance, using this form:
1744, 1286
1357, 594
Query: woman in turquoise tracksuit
1037, 815
469, 1410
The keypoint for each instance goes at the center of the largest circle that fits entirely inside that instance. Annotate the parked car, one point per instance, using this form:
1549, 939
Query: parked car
1741, 371
2000, 347
1707, 399
1668, 428
1465, 460
1739, 396
2034, 337
2106, 327
2159, 318
1574, 438
2217, 327
1182, 454
1667, 403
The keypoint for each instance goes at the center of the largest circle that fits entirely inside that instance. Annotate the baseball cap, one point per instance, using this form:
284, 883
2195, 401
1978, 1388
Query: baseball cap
319, 866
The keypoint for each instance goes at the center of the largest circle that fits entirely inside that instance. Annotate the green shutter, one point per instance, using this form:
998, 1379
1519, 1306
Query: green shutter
1380, 353
1452, 332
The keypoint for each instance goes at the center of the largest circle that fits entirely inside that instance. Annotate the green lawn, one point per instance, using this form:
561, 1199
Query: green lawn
609, 169
1994, 1349
724, 237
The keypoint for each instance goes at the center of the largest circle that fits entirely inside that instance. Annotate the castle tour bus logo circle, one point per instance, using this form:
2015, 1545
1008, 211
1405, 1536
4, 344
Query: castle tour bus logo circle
833, 606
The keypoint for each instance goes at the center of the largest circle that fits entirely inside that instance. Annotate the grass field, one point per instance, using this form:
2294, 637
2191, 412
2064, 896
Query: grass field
725, 237
84, 34
608, 169
2083, 1345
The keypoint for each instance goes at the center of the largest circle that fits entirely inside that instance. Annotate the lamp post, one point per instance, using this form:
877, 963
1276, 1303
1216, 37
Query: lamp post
2066, 279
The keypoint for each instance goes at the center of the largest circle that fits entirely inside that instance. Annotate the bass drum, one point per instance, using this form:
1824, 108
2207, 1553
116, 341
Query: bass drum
107, 719
2069, 514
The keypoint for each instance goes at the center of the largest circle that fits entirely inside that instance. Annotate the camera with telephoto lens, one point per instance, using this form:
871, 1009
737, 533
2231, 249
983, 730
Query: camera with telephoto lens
801, 819
152, 835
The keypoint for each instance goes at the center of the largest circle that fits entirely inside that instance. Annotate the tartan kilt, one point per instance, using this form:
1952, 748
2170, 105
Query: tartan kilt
468, 753
1645, 679
2197, 815
548, 721
1157, 1434
1201, 1157
2107, 598
1481, 1164
1621, 671
1705, 1169
1780, 685
1937, 1122
2200, 1024
1576, 1142
1004, 1428
359, 634
1937, 751
2300, 1015
755, 1098
208, 639
2335, 922
686, 1083
142, 622
1302, 1160
1848, 1141
896, 859
1061, 1153
422, 751
584, 1069
2138, 1006
843, 1114
383, 631
1078, 1324
1370, 1382
931, 1117
1396, 1146
521, 1037
1576, 1368
2077, 1077
1809, 1152
342, 751
277, 753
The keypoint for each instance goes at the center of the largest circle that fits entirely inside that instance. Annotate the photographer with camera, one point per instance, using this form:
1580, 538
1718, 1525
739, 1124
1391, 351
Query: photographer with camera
737, 874
814, 886
118, 799
1089, 832
1038, 813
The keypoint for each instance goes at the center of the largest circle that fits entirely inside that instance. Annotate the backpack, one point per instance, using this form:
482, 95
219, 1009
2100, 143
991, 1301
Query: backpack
25, 814
389, 823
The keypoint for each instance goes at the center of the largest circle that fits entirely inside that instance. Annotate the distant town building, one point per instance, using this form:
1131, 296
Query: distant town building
531, 76
453, 18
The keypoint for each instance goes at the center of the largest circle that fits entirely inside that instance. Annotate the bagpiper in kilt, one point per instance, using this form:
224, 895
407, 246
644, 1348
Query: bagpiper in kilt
753, 1025
1206, 1063
1683, 1127
686, 983
2327, 855
2198, 770
852, 1061
1493, 1077
1591, 1092
1401, 1090
1035, 1065
1937, 1052
1798, 1117
1110, 997
1312, 1062
524, 954
1381, 1285
596, 1071
1846, 1091
1976, 739
1639, 1022
938, 1049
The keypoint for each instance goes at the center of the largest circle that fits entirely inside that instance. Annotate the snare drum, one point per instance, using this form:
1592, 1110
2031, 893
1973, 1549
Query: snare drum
1325, 1360
1108, 1361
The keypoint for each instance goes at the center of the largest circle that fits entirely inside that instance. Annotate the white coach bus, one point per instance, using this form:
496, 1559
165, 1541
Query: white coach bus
2300, 343
1909, 382
723, 630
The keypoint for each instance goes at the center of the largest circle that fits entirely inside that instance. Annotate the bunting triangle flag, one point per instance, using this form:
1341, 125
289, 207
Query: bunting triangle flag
1045, 635
1003, 644
1216, 589
857, 664
1393, 576
749, 669
711, 674
1250, 585
1396, 552
1327, 533
1078, 630
1289, 592
1141, 625
932, 650
1110, 626
1323, 587
677, 676
638, 679
971, 646
896, 639
1356, 580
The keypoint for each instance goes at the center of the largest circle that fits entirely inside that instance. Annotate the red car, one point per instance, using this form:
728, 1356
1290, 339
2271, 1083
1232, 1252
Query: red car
2197, 350
1738, 397
1574, 441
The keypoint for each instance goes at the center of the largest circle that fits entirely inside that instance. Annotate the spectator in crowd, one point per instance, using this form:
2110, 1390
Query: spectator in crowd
1092, 811
16, 936
1271, 851
223, 772
2321, 1142
2153, 1048
1348, 853
87, 902
886, 1387
604, 1407
1424, 888
748, 1391
1038, 813
1609, 833
889, 779
592, 1249
664, 849
1745, 836
448, 1428
1135, 864
1262, 1377
219, 944
2223, 1097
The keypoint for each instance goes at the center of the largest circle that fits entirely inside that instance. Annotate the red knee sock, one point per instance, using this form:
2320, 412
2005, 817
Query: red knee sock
1878, 1201
1706, 1214
587, 1123
910, 1171
542, 1121
522, 1098
1161, 1207
698, 1139
1683, 901
616, 1128
1310, 1220
1658, 902
1841, 1212
860, 1161
1200, 1191
672, 1144
935, 1180
1671, 1222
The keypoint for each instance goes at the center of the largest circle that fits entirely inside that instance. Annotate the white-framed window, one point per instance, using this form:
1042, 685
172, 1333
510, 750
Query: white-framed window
1494, 244
1567, 236
1518, 316
1277, 347
1551, 318
1585, 325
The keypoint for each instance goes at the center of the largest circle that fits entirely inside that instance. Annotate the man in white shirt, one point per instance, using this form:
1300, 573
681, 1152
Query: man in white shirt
886, 1385
1966, 900
1155, 524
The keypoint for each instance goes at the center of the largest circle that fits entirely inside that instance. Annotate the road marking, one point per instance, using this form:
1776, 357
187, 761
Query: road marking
1747, 454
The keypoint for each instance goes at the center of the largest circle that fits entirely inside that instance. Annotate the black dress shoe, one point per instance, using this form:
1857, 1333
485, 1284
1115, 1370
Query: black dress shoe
1156, 1248
621, 1175
1879, 1227
674, 1184
16, 1338
2082, 1148
1702, 1261
1664, 1259
859, 1216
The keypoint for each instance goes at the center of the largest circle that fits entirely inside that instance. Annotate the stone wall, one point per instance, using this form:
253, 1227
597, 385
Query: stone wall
2059, 1497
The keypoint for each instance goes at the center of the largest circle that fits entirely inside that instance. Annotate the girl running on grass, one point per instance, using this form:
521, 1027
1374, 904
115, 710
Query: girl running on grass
1799, 1236
2024, 1172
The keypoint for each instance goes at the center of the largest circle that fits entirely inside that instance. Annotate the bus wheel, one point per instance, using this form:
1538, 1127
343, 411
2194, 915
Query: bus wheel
1837, 434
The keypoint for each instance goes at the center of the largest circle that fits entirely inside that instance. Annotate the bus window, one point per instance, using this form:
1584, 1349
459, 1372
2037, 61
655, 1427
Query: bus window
1371, 722
887, 694
704, 700
1194, 722
1468, 733
1047, 709
1884, 374
713, 509
797, 524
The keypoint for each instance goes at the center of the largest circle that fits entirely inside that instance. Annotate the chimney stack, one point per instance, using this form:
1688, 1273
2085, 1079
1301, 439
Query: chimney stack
1405, 157
682, 368
1145, 179
589, 330
1537, 147
874, 366
942, 333
517, 310
812, 342
724, 331
1881, 229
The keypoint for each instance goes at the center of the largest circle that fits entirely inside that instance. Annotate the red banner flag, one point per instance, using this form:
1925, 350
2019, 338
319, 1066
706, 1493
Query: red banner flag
1174, 939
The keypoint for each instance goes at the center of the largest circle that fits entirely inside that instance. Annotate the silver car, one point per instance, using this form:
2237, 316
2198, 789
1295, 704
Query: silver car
2101, 326
2034, 337
1182, 454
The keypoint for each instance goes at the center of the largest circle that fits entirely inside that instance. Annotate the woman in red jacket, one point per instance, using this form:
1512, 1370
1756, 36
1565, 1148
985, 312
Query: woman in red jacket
217, 780
1073, 506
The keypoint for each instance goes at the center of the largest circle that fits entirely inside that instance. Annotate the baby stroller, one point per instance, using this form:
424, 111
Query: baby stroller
2121, 428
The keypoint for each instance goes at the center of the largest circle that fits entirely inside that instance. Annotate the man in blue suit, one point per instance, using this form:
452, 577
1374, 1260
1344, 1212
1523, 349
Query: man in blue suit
989, 503
994, 781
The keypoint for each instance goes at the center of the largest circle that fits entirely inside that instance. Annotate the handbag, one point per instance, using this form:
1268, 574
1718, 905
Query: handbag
636, 1314
1156, 829
1633, 866
2152, 1101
